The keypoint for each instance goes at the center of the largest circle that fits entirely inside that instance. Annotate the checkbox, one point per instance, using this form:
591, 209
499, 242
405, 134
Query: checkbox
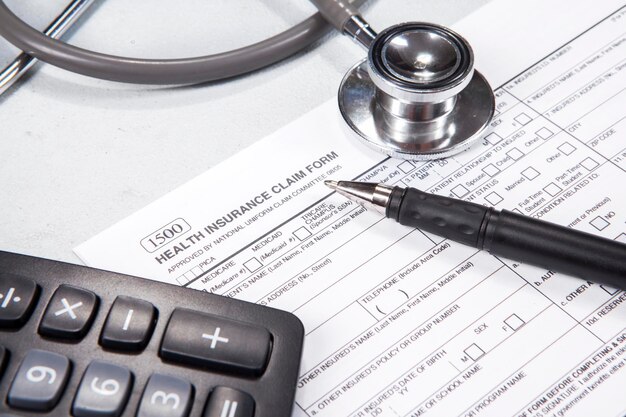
590, 164
518, 211
567, 148
182, 280
252, 264
474, 351
493, 138
515, 154
523, 119
610, 290
491, 170
599, 223
494, 198
530, 173
544, 133
621, 238
552, 189
302, 233
514, 322
460, 191
406, 167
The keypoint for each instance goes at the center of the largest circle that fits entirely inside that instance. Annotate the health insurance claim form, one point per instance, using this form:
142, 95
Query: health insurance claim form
403, 323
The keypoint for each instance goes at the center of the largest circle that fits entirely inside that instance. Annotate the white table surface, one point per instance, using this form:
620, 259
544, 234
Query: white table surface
77, 155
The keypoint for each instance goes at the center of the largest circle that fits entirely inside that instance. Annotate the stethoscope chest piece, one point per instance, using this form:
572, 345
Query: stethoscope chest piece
417, 96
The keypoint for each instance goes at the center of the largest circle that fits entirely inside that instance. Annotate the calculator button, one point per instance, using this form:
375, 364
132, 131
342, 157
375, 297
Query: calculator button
201, 339
3, 358
17, 299
69, 313
103, 391
129, 324
166, 396
39, 381
228, 402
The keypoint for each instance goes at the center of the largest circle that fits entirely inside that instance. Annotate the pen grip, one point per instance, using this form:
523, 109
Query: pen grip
458, 220
555, 247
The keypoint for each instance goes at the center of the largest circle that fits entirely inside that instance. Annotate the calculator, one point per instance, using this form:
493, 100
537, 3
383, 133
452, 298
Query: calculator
77, 341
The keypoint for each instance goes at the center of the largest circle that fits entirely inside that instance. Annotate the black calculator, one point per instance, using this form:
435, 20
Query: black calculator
76, 341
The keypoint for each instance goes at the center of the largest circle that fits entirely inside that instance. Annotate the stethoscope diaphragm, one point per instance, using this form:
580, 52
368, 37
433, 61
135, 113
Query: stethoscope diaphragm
417, 95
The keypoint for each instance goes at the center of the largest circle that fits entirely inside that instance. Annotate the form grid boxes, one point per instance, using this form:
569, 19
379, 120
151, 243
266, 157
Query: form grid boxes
189, 276
530, 173
494, 198
609, 290
514, 322
523, 119
474, 352
589, 163
459, 191
544, 133
491, 170
567, 148
406, 167
302, 233
493, 138
252, 264
599, 223
552, 189
515, 154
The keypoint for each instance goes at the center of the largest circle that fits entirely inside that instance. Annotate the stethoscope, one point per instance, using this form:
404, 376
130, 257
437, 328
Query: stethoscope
416, 95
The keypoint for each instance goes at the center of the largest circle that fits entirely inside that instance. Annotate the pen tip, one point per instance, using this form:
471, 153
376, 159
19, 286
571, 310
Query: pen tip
331, 184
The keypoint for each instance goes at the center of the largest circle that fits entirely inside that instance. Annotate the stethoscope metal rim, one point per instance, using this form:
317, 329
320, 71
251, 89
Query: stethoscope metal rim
386, 80
439, 138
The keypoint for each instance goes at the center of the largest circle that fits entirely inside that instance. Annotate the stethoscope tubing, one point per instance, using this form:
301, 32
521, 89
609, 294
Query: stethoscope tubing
163, 71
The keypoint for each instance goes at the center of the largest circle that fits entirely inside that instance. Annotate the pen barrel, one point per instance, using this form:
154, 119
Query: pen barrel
513, 236
557, 248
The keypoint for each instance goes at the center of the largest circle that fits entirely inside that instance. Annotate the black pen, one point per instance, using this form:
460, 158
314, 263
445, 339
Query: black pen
501, 232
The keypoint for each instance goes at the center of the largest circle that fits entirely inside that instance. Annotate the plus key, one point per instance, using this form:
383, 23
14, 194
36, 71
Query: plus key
214, 342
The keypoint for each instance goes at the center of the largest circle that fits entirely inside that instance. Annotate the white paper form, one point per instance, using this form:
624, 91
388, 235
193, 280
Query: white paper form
403, 323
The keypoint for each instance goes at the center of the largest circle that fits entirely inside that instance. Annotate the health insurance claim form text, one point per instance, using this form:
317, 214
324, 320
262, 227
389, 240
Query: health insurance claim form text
403, 323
